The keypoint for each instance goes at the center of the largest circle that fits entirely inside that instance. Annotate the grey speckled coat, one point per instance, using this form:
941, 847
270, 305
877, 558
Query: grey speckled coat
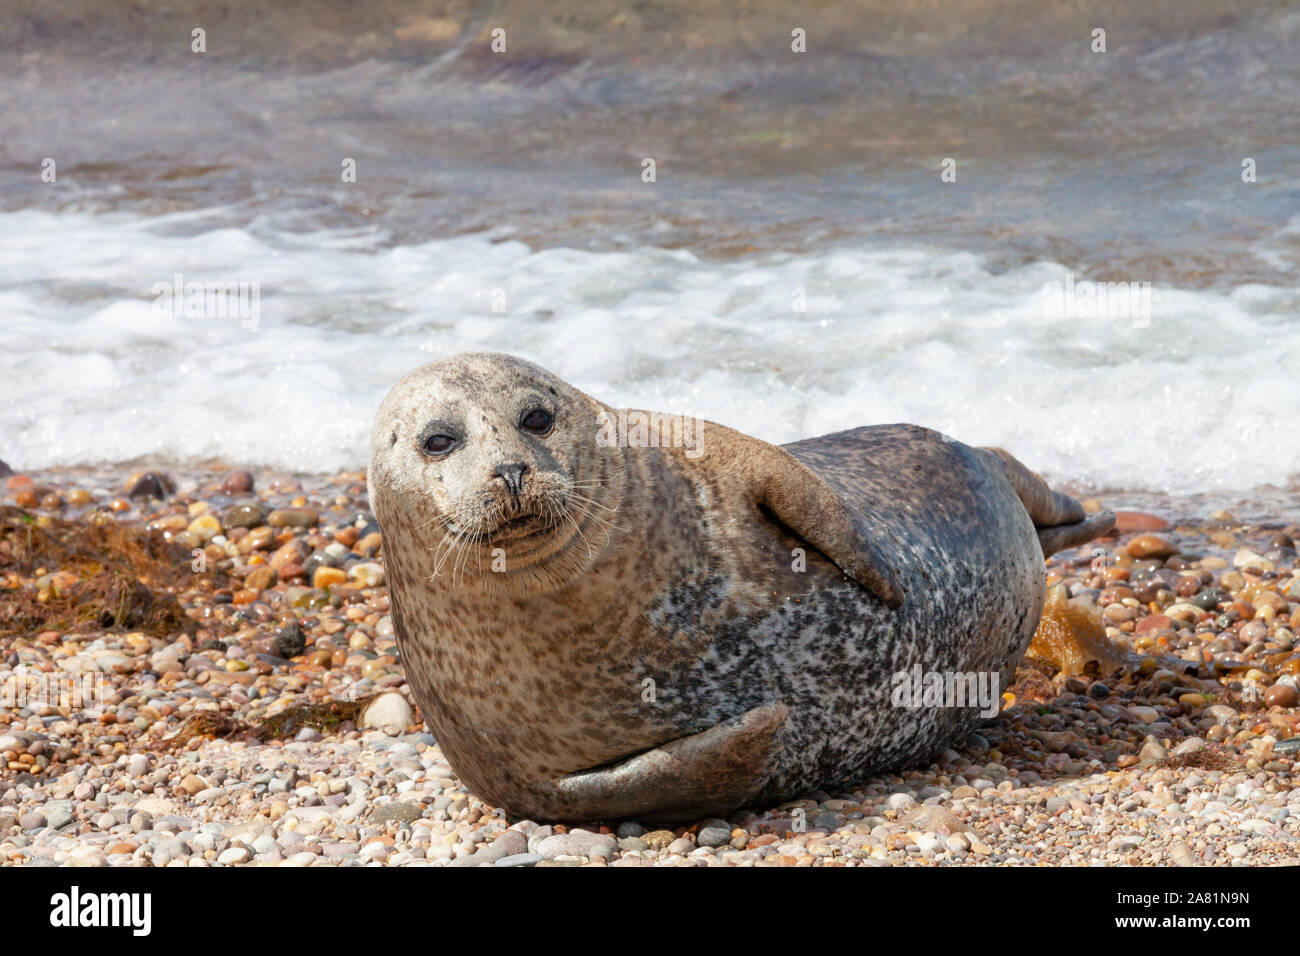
685, 666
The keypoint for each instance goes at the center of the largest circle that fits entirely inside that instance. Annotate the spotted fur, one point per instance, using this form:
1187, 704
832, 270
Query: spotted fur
666, 659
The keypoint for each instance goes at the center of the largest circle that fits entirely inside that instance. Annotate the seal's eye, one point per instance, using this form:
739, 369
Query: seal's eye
538, 421
438, 444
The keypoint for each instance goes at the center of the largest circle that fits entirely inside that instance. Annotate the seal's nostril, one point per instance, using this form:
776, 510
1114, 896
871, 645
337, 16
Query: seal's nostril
513, 475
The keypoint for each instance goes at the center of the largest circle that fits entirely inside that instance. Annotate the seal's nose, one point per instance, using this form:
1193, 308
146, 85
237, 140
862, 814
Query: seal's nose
513, 475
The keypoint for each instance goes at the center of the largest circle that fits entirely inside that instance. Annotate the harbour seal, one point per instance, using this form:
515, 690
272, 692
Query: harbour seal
599, 625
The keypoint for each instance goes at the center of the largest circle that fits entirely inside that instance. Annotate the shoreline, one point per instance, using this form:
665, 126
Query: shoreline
244, 731
1268, 505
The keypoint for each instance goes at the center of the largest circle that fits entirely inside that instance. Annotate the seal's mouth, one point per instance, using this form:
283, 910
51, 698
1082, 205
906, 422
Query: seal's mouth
522, 526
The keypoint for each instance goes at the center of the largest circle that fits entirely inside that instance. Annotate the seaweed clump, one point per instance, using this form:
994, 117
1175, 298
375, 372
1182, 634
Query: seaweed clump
93, 574
325, 717
1071, 636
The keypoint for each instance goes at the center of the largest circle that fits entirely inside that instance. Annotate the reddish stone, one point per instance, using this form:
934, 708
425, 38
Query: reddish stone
291, 552
1128, 522
1153, 622
1150, 546
236, 482
1281, 695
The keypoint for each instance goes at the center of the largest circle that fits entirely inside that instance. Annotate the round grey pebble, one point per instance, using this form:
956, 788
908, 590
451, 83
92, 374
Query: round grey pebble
59, 818
714, 836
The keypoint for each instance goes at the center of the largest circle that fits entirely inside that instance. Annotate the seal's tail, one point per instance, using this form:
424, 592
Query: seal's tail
1059, 520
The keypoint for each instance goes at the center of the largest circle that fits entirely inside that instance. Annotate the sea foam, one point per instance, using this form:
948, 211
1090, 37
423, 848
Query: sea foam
1198, 393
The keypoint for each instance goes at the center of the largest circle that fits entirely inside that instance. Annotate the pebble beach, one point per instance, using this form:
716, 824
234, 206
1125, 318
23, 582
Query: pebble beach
197, 668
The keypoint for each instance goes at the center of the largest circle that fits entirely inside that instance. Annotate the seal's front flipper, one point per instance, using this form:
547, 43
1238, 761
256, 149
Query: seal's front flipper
810, 508
712, 772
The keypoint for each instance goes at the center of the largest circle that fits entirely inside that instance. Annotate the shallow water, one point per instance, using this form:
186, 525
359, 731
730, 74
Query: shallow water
512, 182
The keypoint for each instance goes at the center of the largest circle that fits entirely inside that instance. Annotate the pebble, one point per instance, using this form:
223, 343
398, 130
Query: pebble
234, 856
1281, 695
390, 713
149, 485
1152, 750
244, 516
261, 578
1150, 546
57, 817
1147, 715
291, 518
397, 812
289, 641
929, 843
325, 577
577, 843
1171, 764
1128, 522
714, 836
1181, 855
366, 574
238, 482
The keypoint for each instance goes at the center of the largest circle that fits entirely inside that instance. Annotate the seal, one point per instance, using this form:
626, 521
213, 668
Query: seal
608, 614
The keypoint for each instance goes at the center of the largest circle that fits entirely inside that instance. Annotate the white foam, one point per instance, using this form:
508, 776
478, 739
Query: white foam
1203, 398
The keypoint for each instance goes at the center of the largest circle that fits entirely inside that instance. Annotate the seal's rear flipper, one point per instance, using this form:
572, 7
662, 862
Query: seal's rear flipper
712, 772
1059, 520
1059, 537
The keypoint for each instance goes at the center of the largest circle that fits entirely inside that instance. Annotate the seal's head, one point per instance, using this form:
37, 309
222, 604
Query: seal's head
492, 463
